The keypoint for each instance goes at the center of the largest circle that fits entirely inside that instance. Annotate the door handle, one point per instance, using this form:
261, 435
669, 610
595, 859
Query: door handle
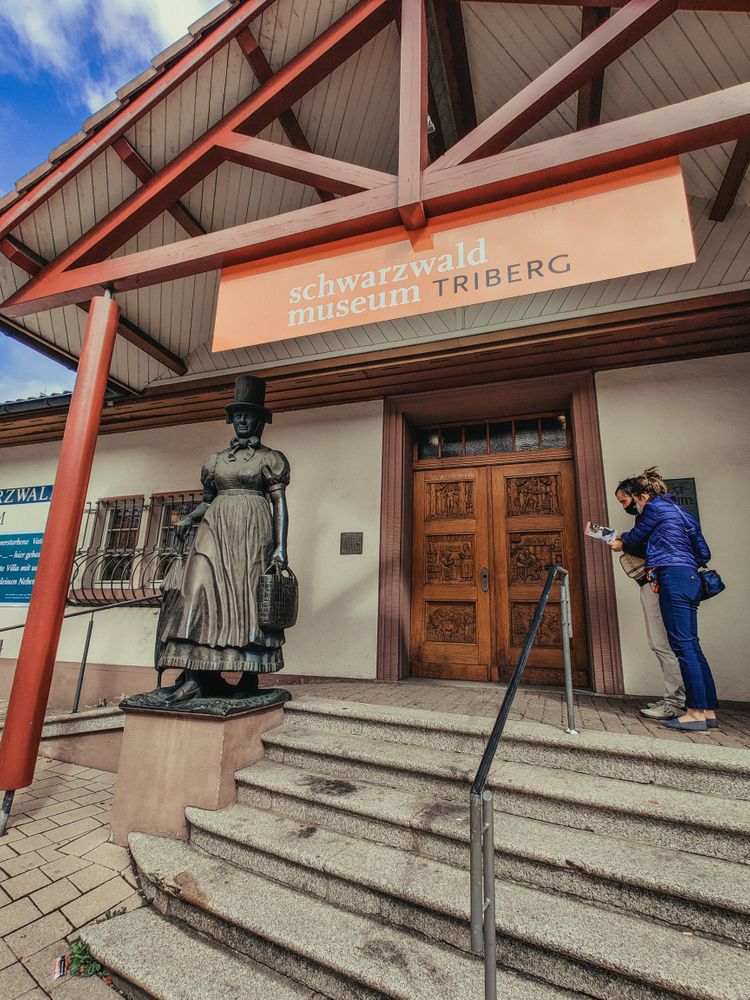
485, 579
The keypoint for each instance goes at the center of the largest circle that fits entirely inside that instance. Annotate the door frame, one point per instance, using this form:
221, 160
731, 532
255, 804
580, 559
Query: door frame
402, 415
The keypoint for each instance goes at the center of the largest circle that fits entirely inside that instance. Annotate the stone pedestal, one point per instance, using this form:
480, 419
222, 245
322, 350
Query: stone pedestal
171, 760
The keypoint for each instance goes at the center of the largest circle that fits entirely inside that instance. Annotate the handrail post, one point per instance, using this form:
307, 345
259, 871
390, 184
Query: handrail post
488, 905
475, 874
481, 816
567, 631
82, 669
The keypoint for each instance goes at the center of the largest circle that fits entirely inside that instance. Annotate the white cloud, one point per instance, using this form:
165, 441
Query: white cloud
93, 46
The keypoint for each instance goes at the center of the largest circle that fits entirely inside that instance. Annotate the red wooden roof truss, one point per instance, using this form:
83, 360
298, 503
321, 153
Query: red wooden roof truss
478, 168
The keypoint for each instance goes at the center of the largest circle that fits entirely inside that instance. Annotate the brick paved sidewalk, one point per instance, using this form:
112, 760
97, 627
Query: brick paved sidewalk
613, 715
58, 872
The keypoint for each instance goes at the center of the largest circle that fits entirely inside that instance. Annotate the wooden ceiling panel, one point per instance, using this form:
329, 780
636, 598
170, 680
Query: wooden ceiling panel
352, 115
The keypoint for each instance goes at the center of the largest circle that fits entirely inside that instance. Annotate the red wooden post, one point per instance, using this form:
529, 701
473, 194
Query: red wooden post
36, 660
412, 124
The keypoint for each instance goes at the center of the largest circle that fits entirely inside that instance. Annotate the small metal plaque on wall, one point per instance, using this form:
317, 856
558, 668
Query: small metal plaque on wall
351, 543
685, 494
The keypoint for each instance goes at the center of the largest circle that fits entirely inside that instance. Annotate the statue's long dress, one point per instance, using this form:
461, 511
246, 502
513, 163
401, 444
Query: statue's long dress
213, 624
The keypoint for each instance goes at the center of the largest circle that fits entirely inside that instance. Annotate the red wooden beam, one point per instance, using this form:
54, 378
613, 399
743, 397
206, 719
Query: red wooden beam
562, 79
412, 122
22, 256
450, 28
335, 176
303, 72
32, 263
720, 6
144, 172
653, 135
694, 124
733, 177
591, 93
263, 70
133, 111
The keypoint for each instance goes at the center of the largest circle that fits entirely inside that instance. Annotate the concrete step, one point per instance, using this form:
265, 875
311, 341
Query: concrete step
664, 817
570, 943
708, 895
342, 955
150, 956
719, 771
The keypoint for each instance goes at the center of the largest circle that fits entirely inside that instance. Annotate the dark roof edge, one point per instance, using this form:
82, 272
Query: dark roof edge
23, 336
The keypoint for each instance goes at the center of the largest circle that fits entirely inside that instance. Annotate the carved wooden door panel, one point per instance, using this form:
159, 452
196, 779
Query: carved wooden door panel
535, 524
450, 611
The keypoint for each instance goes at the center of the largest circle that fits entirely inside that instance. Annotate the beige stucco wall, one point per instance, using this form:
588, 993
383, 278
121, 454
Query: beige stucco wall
335, 453
691, 418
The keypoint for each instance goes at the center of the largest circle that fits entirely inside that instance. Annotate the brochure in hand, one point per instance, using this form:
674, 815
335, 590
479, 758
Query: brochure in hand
601, 532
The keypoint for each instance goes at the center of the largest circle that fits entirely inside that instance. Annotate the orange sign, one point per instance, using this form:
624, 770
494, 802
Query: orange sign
624, 223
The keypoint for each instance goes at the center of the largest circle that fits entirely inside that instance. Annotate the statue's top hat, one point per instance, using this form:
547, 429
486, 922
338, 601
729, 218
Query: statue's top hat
249, 394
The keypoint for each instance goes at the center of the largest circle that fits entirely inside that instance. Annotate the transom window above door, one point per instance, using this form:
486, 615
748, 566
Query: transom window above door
493, 437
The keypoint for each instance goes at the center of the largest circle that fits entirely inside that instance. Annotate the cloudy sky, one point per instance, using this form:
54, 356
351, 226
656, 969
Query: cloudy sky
59, 61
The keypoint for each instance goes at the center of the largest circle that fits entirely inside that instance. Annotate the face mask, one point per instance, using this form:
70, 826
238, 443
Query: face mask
632, 508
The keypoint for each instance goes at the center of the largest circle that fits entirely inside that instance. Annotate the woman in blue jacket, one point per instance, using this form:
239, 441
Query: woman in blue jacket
675, 548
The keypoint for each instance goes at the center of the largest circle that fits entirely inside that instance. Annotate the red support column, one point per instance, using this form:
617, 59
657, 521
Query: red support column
36, 660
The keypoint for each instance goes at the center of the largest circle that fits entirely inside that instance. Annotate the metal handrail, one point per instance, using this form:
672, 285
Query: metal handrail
87, 611
481, 808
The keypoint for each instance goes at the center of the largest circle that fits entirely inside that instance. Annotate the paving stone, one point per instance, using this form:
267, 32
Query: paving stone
109, 855
15, 915
95, 798
6, 852
91, 905
80, 812
15, 982
31, 844
32, 938
35, 994
63, 767
71, 831
51, 808
6, 956
35, 826
41, 965
82, 845
52, 897
90, 877
22, 863
63, 866
24, 885
12, 836
83, 988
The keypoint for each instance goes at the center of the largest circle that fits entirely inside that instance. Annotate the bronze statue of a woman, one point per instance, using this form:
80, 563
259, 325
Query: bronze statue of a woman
211, 624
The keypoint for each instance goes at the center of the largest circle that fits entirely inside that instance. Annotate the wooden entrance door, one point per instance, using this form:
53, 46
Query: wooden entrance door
483, 537
450, 622
535, 524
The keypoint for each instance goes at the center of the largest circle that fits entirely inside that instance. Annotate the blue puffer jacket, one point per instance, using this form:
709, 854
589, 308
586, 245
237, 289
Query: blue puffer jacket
671, 535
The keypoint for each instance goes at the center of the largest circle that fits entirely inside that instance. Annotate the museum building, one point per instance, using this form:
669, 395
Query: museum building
448, 434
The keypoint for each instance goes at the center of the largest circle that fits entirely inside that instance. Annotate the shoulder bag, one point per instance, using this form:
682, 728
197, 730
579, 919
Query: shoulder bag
634, 566
711, 583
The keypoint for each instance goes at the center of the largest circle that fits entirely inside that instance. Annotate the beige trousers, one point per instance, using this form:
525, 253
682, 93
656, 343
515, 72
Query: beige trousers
674, 689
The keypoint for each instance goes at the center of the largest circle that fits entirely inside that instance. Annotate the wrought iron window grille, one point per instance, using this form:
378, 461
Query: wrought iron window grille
126, 547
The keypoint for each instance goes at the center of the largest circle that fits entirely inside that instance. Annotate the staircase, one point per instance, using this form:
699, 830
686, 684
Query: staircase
341, 871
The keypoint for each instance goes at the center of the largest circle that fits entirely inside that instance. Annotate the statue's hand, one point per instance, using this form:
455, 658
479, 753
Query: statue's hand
279, 558
183, 527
